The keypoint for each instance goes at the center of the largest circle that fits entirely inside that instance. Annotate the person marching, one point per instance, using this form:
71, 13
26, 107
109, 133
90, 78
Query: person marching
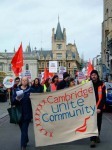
21, 97
37, 87
65, 82
100, 94
47, 86
54, 83
71, 82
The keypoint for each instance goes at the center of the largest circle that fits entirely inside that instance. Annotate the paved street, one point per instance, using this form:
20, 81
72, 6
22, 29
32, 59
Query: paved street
3, 109
10, 137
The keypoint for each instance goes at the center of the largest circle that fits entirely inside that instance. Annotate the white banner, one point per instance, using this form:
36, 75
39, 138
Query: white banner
53, 66
65, 115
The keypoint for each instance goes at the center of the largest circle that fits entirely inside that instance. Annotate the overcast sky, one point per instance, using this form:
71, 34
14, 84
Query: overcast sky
32, 21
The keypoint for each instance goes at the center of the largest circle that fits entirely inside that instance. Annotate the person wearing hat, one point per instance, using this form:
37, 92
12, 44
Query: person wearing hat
65, 82
100, 95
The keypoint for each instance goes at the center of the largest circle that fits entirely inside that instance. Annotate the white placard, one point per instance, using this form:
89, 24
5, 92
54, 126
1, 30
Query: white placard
27, 74
62, 69
8, 82
53, 66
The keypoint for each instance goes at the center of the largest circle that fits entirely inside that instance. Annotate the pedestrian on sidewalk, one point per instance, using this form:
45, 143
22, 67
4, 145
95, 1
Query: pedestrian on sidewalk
100, 95
21, 96
3, 93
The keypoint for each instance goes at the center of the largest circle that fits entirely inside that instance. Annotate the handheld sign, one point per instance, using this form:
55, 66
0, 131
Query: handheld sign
8, 82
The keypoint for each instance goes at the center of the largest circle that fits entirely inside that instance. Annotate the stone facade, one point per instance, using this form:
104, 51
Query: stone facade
107, 36
30, 63
66, 54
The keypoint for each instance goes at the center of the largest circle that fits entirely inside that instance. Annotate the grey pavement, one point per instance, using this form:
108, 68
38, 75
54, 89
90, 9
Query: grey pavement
3, 109
10, 138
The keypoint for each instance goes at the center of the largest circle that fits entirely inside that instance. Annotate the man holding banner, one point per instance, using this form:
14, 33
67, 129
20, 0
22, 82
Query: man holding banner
100, 95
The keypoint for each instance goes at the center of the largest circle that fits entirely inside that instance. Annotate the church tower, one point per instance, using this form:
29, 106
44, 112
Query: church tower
58, 41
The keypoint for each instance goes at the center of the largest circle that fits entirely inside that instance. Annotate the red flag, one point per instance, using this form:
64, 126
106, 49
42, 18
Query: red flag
17, 61
46, 73
89, 68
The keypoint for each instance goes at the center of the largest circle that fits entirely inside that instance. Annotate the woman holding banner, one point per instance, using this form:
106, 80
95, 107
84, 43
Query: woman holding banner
21, 97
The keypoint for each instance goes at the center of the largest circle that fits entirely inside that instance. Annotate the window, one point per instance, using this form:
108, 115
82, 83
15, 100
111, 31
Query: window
59, 63
39, 65
47, 64
69, 65
59, 55
59, 46
42, 65
1, 67
9, 67
27, 67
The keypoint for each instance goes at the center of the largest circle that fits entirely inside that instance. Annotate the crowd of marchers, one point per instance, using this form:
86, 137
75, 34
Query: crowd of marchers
50, 85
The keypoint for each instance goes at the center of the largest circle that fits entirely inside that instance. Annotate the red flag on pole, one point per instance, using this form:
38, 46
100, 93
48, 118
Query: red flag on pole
17, 61
89, 68
46, 73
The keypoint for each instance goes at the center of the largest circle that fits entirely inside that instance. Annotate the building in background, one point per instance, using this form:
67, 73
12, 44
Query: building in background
30, 63
106, 53
66, 54
97, 64
35, 61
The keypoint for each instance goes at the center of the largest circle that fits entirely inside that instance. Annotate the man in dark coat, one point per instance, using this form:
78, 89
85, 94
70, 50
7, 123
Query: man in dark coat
100, 95
65, 82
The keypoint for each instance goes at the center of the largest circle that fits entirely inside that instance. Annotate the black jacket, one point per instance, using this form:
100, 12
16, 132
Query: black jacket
37, 89
25, 103
62, 85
